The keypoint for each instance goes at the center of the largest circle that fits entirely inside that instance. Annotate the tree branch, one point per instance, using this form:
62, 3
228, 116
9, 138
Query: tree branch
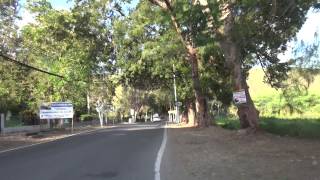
160, 3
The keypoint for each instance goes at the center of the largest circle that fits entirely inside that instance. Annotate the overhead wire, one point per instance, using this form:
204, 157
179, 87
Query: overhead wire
10, 59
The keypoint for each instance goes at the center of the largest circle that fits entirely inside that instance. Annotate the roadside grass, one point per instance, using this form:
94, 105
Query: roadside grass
228, 122
258, 88
294, 127
300, 118
271, 102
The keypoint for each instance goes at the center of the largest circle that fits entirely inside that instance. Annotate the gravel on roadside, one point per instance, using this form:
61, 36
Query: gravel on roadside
216, 153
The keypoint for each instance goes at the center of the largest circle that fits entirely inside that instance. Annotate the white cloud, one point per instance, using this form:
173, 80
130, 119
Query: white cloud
26, 18
305, 34
309, 28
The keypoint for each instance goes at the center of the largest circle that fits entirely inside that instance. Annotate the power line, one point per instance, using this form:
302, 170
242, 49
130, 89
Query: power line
7, 58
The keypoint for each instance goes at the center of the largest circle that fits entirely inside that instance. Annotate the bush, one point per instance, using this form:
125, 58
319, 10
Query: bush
226, 122
29, 117
297, 127
88, 117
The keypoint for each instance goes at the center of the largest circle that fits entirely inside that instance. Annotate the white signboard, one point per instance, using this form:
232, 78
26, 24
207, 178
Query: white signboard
57, 110
239, 97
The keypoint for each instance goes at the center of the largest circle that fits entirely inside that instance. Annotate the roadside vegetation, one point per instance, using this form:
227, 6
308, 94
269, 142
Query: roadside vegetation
277, 116
120, 63
294, 127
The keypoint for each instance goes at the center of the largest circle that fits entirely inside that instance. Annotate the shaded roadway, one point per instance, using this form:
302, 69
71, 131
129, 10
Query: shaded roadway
127, 152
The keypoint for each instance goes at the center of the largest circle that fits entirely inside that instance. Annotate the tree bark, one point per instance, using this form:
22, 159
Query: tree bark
201, 105
247, 112
191, 114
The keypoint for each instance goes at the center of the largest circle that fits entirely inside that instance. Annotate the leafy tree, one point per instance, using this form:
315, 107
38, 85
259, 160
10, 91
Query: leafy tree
253, 32
8, 29
120, 102
154, 46
189, 26
9, 90
73, 43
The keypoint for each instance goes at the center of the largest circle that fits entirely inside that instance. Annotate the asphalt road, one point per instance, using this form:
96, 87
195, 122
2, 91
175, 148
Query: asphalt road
124, 153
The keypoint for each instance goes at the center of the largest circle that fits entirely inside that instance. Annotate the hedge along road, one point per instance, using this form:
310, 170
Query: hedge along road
127, 152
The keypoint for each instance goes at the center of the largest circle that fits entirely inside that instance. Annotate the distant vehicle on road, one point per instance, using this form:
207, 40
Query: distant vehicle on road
156, 117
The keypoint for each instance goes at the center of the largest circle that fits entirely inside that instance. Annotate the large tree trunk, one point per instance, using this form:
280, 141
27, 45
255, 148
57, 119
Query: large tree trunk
201, 105
247, 112
191, 114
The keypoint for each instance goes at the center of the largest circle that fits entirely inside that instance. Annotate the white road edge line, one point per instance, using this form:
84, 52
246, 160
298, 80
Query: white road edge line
157, 164
30, 145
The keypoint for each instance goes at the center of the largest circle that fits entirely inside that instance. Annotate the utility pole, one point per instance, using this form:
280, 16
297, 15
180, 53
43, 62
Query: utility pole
175, 95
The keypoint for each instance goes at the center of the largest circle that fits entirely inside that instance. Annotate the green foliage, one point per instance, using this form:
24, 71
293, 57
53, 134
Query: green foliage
120, 101
262, 30
10, 84
298, 99
226, 122
8, 29
73, 43
148, 45
146, 48
127, 60
296, 116
298, 127
305, 128
29, 117
88, 117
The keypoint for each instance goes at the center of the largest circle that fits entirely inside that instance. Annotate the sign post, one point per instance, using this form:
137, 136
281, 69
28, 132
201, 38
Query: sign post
72, 125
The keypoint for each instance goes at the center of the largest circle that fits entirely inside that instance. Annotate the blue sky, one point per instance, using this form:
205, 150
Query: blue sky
27, 17
305, 34
57, 4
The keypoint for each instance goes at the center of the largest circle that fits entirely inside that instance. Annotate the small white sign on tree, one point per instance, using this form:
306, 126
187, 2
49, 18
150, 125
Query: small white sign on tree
239, 97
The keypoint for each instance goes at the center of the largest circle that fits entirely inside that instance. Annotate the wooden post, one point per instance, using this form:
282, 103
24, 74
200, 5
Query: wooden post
2, 119
72, 125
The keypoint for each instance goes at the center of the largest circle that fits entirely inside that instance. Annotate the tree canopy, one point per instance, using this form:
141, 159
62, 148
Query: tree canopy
101, 49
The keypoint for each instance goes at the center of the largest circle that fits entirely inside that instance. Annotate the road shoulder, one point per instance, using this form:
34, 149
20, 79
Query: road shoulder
216, 153
14, 141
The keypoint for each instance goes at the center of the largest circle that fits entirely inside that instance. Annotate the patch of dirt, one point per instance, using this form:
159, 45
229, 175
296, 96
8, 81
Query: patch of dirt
216, 153
14, 140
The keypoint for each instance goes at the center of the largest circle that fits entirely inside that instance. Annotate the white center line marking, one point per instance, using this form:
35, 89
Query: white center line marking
157, 164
